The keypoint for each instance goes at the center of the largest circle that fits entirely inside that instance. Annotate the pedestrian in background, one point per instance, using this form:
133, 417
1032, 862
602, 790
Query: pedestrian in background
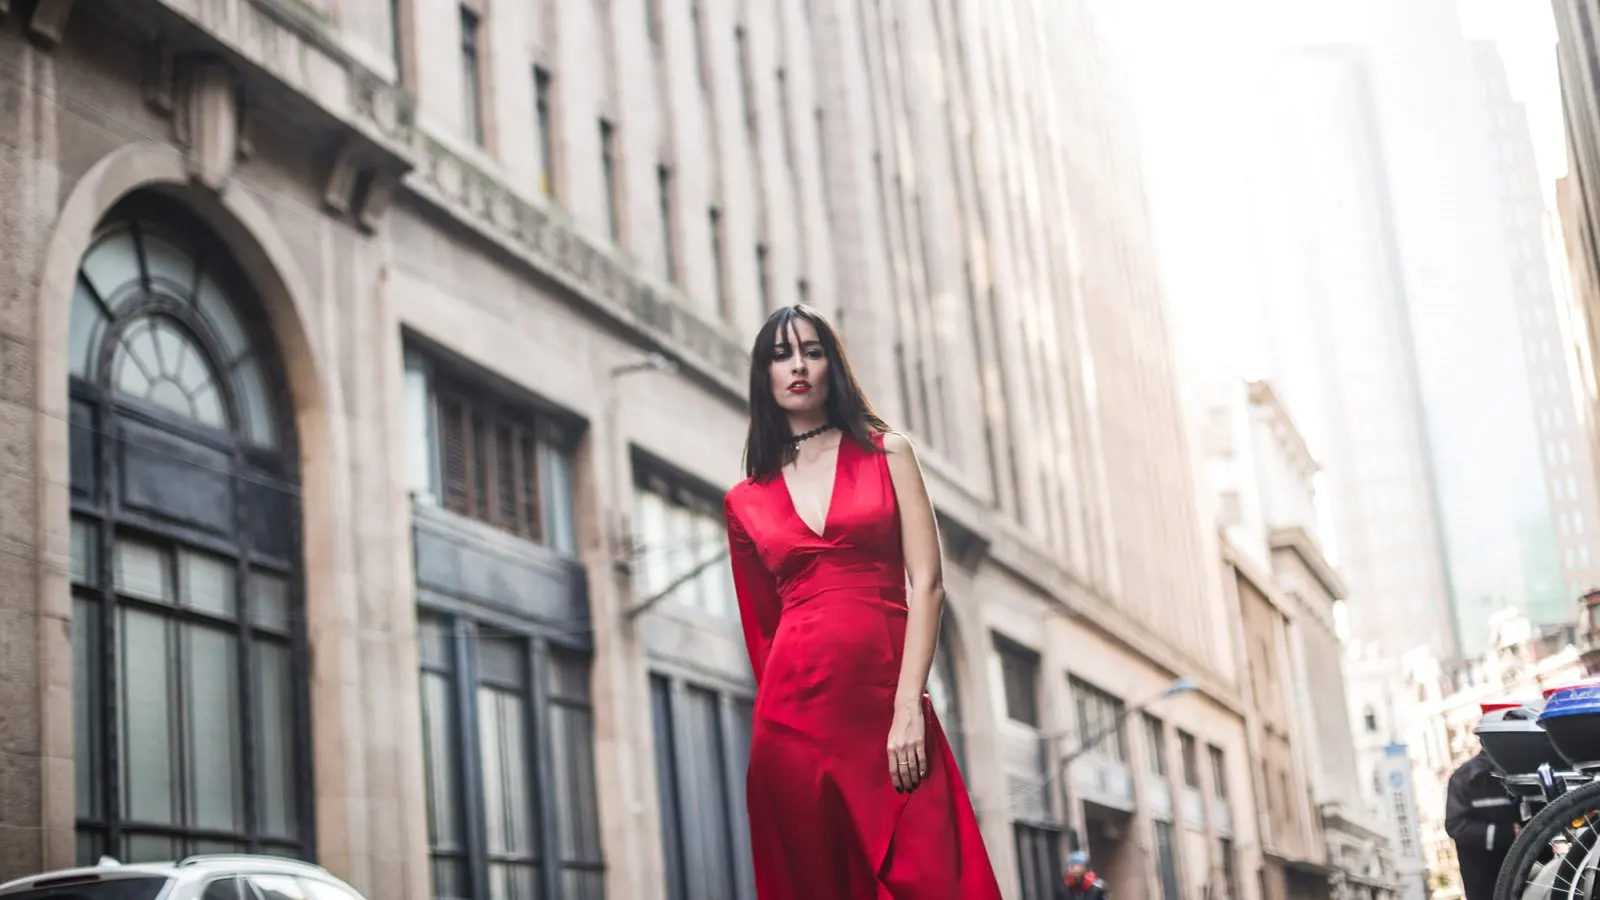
1482, 818
1080, 883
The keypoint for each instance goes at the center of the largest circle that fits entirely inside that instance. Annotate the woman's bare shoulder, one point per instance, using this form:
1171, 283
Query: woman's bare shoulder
895, 442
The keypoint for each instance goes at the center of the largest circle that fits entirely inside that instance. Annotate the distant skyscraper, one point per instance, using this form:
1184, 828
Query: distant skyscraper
1563, 568
1468, 215
1339, 342
1363, 225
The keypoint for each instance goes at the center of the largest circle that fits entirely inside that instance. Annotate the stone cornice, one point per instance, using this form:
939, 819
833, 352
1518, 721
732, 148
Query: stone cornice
286, 42
1303, 545
281, 40
608, 284
1265, 398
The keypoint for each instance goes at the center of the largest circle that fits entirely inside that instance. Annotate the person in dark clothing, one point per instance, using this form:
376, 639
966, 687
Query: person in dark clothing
1482, 817
1080, 883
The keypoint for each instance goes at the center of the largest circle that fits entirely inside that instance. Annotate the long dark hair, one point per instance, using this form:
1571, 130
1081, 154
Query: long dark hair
767, 448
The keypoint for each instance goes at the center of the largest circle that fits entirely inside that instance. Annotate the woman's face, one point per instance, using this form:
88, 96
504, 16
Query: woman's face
799, 369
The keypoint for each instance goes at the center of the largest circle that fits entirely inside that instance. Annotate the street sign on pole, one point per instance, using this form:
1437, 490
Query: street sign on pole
1400, 807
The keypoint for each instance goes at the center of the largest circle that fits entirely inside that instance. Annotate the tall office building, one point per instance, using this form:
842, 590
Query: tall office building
1271, 202
1561, 569
1466, 212
1340, 345
1398, 295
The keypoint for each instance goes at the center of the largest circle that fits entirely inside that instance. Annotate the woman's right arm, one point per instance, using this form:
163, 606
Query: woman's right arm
759, 605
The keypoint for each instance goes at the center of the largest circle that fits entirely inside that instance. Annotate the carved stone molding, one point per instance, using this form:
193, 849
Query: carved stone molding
595, 274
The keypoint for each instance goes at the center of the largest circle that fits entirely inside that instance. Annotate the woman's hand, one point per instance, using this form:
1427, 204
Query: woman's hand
908, 759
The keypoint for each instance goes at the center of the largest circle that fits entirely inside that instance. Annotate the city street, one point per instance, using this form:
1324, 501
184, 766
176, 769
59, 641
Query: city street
382, 462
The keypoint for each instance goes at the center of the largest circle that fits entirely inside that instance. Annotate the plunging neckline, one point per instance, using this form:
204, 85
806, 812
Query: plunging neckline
833, 493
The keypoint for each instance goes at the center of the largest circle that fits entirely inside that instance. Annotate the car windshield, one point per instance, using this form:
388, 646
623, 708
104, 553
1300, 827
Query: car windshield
68, 888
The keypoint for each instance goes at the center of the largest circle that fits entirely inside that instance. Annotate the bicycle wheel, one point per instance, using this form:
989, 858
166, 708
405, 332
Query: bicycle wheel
1563, 827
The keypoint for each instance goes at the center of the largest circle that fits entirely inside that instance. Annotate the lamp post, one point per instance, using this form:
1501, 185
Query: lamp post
1183, 685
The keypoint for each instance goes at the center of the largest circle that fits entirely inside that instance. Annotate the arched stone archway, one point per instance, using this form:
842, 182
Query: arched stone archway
191, 718
234, 226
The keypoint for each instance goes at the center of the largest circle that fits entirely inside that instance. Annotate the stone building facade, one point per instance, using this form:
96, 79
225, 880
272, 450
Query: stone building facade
371, 372
1320, 837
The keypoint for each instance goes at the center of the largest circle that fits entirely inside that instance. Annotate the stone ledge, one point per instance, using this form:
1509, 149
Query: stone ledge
280, 40
608, 285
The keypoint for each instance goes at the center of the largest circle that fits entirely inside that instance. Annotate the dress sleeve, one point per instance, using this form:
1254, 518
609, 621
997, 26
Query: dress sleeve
759, 605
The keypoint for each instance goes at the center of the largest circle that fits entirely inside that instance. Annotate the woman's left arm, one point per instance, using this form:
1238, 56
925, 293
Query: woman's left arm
919, 538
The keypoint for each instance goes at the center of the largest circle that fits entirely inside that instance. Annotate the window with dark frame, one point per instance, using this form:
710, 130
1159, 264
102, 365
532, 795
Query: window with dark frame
513, 809
546, 124
489, 459
1189, 754
1219, 773
945, 694
702, 740
764, 278
471, 77
1230, 868
496, 460
1038, 859
397, 39
679, 538
802, 291
190, 705
1167, 861
1155, 745
746, 86
786, 126
697, 34
608, 171
719, 263
1019, 674
669, 244
822, 161
652, 21
1099, 721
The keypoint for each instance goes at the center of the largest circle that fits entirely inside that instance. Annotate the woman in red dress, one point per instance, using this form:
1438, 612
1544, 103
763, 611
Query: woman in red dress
853, 792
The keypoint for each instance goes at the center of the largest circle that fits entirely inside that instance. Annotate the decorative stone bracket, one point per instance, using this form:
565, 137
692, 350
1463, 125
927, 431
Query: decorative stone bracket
210, 121
359, 185
48, 22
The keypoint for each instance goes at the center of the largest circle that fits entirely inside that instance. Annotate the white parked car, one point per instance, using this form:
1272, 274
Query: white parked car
233, 877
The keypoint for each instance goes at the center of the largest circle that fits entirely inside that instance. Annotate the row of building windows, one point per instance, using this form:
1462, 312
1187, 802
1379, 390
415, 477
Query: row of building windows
1101, 731
919, 216
546, 115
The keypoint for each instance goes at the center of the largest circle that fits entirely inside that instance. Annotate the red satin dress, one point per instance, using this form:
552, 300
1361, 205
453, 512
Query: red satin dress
825, 621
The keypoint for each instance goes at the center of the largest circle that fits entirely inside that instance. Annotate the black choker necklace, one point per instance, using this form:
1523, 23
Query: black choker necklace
796, 440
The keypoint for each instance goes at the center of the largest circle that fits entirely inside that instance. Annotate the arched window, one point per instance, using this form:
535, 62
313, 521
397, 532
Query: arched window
188, 639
